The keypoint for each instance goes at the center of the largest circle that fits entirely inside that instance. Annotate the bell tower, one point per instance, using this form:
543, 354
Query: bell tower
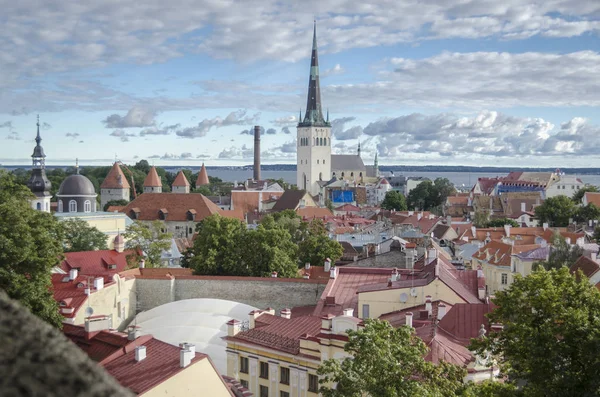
39, 183
313, 134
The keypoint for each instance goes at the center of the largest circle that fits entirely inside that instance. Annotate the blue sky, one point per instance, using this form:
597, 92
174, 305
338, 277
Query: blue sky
468, 82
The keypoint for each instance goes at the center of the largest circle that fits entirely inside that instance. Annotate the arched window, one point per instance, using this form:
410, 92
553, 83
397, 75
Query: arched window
360, 174
352, 174
322, 142
72, 206
87, 206
323, 161
60, 206
342, 174
39, 206
317, 161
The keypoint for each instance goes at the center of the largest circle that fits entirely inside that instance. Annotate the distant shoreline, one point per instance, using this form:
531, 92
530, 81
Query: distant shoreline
383, 168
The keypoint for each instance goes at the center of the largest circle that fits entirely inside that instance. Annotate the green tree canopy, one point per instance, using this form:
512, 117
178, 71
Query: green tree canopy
550, 340
269, 250
80, 236
120, 202
578, 195
556, 211
587, 213
394, 201
481, 218
317, 246
388, 362
31, 245
443, 189
204, 190
500, 222
150, 238
562, 254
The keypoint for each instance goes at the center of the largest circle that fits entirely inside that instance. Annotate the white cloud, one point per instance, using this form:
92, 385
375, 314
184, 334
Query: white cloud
121, 134
73, 135
285, 121
234, 118
337, 69
135, 117
160, 130
234, 152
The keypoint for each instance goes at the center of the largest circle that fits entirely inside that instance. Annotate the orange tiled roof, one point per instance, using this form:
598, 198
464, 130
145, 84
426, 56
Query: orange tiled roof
147, 206
152, 179
202, 177
181, 180
115, 179
314, 212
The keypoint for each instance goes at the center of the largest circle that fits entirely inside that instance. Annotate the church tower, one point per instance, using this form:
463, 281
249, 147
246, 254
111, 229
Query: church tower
313, 134
39, 183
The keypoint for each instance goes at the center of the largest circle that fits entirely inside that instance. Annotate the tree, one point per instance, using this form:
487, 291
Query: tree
317, 246
578, 195
500, 222
142, 166
586, 213
556, 211
562, 254
217, 247
269, 250
80, 236
329, 205
551, 328
442, 189
31, 244
388, 361
148, 239
120, 202
204, 190
394, 201
423, 196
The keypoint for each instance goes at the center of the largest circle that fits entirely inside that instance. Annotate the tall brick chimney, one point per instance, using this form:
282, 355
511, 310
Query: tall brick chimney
256, 153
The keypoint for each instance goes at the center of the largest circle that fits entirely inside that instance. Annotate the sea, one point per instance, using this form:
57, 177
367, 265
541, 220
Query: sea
462, 180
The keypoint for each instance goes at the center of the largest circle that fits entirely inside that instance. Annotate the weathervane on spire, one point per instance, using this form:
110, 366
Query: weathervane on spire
77, 165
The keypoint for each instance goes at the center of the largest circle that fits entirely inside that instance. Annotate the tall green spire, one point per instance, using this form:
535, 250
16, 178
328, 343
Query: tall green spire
313, 116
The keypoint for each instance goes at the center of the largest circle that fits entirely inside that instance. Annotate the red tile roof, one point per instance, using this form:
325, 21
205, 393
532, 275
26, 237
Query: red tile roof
68, 293
458, 200
348, 208
202, 177
152, 179
309, 213
115, 179
115, 208
588, 266
160, 364
177, 206
279, 333
95, 263
181, 180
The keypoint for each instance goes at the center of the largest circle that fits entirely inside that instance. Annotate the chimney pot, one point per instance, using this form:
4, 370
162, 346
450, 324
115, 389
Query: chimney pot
274, 274
307, 265
233, 327
185, 358
348, 312
189, 346
286, 313
140, 353
409, 318
333, 273
73, 274
142, 263
133, 332
327, 265
98, 283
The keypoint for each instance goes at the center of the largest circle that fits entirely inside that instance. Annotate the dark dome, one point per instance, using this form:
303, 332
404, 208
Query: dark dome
76, 185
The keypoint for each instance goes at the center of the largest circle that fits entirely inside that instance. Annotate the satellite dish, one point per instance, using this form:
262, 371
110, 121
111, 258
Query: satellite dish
413, 291
89, 311
403, 297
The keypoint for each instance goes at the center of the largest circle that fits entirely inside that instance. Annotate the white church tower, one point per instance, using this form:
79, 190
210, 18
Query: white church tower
38, 182
314, 134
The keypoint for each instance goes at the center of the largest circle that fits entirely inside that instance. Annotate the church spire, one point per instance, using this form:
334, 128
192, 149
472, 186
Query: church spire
358, 148
38, 155
313, 116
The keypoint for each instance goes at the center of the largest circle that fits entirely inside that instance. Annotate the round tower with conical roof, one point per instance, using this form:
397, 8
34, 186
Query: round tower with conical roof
115, 186
152, 183
38, 183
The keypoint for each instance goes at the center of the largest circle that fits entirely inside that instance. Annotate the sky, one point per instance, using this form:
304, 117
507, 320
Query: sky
448, 82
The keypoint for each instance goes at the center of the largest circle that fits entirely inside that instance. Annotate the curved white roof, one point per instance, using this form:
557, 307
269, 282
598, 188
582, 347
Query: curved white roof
198, 321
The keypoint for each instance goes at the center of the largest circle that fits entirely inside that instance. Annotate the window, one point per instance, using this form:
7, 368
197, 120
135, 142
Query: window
317, 161
284, 394
264, 370
285, 376
87, 206
504, 280
39, 206
72, 206
244, 365
313, 383
365, 313
244, 383
352, 174
264, 391
323, 161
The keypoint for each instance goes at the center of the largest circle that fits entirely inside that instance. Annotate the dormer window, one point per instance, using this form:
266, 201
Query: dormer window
62, 304
191, 215
162, 214
112, 266
80, 285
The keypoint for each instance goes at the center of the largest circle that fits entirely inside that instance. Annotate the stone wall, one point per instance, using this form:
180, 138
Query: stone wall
254, 291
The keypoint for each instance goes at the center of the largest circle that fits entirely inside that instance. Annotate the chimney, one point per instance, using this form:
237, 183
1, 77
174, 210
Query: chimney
327, 265
256, 167
189, 346
428, 306
507, 230
333, 273
307, 265
185, 358
545, 226
97, 323
568, 240
233, 327
348, 312
306, 276
286, 313
142, 263
431, 254
140, 353
523, 207
98, 283
73, 274
419, 216
441, 311
395, 275
133, 333
448, 220
409, 318
326, 321
274, 274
